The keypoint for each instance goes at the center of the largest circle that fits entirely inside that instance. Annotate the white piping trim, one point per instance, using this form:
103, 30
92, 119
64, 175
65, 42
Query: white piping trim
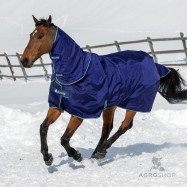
166, 74
60, 95
78, 79
56, 35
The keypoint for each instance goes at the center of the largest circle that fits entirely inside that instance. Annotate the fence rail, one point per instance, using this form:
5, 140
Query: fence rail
150, 41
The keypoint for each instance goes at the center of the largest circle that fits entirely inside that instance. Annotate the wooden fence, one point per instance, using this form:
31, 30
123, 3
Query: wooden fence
150, 41
24, 75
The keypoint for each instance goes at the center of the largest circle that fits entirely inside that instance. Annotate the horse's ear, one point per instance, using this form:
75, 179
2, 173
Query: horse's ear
35, 20
49, 21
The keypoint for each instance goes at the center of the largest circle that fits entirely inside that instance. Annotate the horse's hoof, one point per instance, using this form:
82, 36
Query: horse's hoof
93, 156
50, 160
77, 157
99, 155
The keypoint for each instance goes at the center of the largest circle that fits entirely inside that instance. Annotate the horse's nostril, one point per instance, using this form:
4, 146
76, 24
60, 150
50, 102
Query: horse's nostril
25, 61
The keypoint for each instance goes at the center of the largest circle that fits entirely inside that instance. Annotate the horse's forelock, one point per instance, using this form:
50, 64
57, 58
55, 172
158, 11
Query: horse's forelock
44, 23
41, 22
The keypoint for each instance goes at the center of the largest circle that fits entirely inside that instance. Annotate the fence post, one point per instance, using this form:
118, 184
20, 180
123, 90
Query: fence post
1, 77
22, 68
88, 48
117, 46
10, 66
183, 42
152, 49
45, 70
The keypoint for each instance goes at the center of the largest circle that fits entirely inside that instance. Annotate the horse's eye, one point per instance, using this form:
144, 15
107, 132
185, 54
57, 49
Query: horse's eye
40, 37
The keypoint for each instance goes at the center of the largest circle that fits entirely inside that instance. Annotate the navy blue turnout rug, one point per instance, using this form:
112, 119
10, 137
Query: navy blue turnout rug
84, 84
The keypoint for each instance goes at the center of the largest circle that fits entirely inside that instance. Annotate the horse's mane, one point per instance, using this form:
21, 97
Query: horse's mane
44, 23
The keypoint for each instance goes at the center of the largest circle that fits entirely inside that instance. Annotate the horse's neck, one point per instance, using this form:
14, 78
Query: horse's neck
64, 46
67, 57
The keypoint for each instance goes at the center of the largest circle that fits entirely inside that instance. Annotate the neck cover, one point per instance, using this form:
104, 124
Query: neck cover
70, 63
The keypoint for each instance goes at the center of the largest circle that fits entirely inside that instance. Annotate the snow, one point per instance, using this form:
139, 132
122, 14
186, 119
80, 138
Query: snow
23, 106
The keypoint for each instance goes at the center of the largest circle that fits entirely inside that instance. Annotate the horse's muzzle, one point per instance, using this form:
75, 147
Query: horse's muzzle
25, 63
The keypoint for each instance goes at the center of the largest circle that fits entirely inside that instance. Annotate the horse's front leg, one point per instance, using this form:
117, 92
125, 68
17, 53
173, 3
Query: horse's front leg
52, 116
108, 116
73, 125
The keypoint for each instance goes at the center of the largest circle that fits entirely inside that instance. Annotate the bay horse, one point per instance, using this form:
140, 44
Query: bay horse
87, 85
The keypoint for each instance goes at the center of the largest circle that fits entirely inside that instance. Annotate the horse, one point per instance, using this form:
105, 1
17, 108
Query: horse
86, 85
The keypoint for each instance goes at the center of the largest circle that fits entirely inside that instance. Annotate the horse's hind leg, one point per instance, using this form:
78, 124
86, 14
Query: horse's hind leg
108, 116
52, 115
126, 125
73, 125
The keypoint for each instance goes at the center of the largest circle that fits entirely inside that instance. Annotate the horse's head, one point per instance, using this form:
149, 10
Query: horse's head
41, 41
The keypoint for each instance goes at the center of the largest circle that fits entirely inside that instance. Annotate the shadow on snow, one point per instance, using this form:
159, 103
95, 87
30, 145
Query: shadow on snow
121, 152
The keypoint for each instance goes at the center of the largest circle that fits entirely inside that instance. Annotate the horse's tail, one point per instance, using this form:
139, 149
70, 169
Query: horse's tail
172, 87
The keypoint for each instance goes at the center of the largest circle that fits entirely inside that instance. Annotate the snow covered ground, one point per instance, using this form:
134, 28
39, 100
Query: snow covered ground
23, 106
